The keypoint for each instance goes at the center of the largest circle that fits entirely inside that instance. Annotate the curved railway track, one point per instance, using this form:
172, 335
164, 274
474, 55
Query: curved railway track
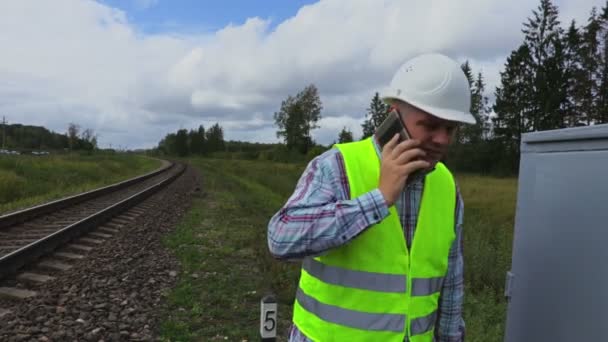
27, 235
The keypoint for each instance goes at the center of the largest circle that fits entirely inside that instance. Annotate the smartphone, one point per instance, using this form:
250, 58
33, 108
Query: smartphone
389, 127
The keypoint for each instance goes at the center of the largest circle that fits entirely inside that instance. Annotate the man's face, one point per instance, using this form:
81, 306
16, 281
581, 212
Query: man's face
435, 134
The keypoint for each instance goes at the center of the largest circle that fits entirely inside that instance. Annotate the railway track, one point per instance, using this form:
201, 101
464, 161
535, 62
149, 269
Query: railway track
38, 241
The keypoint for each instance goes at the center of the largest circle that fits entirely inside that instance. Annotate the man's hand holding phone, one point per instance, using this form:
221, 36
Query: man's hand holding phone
399, 160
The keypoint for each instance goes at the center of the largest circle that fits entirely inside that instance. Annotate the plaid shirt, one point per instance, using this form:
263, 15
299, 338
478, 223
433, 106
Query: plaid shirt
319, 215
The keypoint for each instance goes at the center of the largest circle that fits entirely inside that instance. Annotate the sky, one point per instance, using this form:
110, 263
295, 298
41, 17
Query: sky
136, 70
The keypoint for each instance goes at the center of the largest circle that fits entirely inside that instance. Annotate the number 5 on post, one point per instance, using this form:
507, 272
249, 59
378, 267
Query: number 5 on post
268, 318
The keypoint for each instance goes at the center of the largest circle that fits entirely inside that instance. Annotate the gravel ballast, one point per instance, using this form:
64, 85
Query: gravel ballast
116, 292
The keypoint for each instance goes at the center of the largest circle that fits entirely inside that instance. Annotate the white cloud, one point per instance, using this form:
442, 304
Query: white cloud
84, 62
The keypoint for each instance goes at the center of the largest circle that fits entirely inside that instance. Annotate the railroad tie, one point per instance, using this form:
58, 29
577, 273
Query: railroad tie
100, 235
4, 312
34, 278
108, 230
90, 241
14, 293
54, 265
68, 256
121, 220
112, 226
79, 247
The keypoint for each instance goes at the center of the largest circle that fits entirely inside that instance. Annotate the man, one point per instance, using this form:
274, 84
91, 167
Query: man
381, 253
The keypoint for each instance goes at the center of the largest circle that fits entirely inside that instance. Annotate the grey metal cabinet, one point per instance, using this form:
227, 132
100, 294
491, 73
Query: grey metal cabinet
558, 283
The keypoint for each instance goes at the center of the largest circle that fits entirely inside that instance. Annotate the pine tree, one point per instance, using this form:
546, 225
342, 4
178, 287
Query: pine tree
480, 107
572, 106
514, 103
197, 140
181, 143
590, 64
473, 133
376, 113
543, 38
345, 136
556, 96
468, 72
602, 76
215, 138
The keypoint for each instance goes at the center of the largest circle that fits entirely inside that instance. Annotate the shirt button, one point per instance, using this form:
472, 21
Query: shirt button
376, 217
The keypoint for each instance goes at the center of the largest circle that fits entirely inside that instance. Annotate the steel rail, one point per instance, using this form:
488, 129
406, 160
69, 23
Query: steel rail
13, 261
27, 214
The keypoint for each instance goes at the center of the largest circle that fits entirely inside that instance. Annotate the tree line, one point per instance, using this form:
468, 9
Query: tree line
554, 79
26, 137
194, 142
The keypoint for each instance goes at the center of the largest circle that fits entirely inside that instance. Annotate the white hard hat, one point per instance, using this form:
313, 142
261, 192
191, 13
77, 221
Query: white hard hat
435, 84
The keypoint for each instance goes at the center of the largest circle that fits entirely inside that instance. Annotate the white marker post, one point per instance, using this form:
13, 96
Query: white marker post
268, 319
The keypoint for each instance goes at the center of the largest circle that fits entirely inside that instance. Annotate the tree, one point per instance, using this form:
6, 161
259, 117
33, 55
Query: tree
468, 72
543, 38
589, 64
181, 143
602, 75
470, 152
514, 103
345, 136
575, 91
196, 140
73, 130
297, 117
479, 108
168, 144
215, 138
376, 113
89, 139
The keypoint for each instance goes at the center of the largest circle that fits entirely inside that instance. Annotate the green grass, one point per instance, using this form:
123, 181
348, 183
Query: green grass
222, 242
29, 180
488, 235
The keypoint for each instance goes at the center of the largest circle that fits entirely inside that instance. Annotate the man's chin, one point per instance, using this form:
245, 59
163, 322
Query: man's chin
432, 162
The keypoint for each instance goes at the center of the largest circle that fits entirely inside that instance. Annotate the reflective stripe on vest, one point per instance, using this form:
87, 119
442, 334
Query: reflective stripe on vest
364, 320
423, 324
351, 318
370, 280
426, 286
373, 288
357, 279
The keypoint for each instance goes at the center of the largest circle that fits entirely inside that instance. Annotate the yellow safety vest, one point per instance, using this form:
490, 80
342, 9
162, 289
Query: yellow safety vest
373, 288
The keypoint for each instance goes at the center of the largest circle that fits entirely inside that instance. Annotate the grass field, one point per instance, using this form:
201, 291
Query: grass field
29, 180
227, 268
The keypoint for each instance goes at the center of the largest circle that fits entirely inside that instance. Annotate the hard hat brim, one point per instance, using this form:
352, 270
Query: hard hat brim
443, 113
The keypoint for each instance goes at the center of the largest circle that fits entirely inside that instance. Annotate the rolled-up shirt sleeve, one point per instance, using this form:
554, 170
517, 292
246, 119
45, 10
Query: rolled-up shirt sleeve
320, 215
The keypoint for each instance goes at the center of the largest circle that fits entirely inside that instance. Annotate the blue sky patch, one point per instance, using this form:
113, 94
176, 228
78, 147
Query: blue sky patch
202, 16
